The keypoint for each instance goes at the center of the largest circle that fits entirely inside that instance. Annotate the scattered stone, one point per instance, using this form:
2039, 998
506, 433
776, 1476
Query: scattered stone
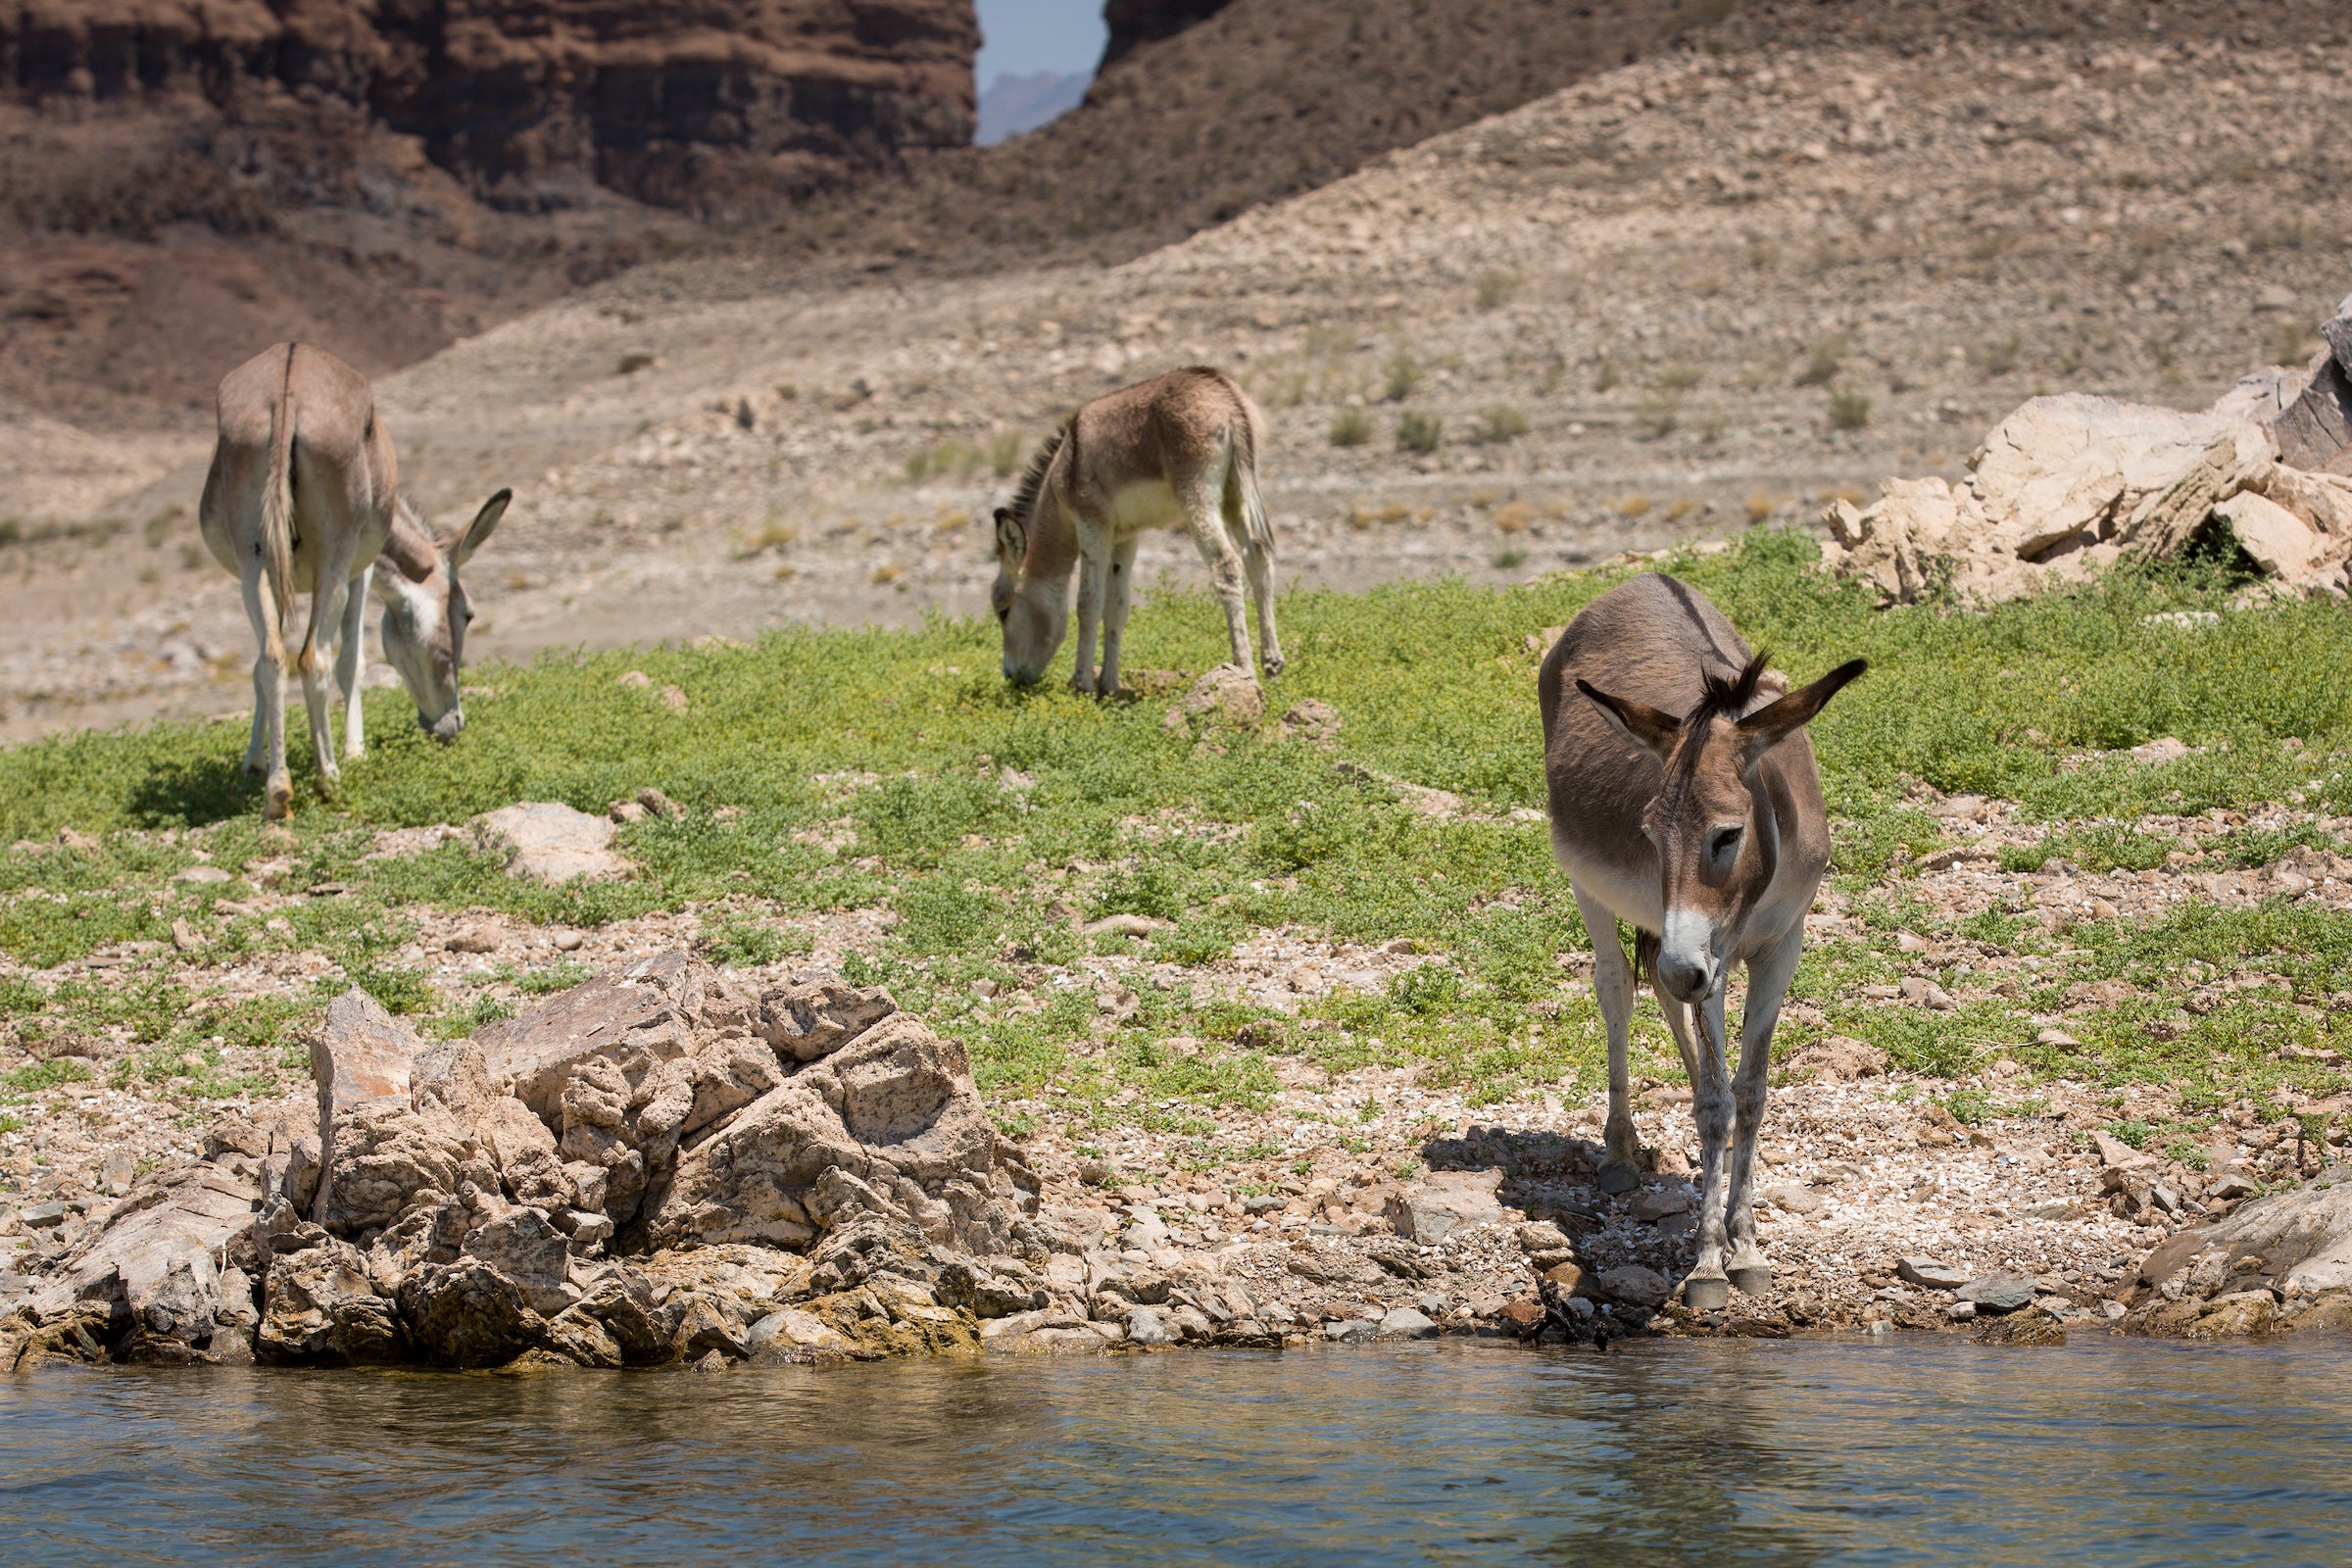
1838, 1059
1127, 925
1792, 1198
2116, 1154
1229, 693
1444, 1201
547, 841
201, 876
1405, 1323
1659, 1202
2022, 1329
1634, 1285
2156, 753
1926, 991
1929, 1275
1312, 719
1998, 1291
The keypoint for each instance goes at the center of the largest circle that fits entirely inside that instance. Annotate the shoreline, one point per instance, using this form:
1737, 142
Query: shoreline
455, 1232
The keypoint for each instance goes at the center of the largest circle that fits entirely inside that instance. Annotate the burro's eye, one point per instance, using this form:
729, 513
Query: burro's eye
1724, 843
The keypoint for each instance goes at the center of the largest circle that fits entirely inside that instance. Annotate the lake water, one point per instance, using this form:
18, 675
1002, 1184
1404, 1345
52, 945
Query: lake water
1910, 1452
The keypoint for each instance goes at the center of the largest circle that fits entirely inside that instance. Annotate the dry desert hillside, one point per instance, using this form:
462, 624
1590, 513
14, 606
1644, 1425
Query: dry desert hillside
1709, 288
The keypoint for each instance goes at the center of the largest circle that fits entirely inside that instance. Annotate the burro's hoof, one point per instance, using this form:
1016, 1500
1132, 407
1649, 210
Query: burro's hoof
1616, 1178
1752, 1279
1707, 1293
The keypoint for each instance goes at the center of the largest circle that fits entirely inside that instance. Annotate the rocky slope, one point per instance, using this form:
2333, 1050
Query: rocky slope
183, 179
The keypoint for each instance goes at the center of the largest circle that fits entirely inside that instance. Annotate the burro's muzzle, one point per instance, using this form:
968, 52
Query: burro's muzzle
1689, 969
446, 728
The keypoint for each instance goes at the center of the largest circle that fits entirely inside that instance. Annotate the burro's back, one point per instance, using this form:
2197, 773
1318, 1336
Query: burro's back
1685, 801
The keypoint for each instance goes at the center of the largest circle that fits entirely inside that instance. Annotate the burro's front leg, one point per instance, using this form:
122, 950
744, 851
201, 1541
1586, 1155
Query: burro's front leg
1093, 562
1613, 988
1705, 1287
1116, 595
1768, 977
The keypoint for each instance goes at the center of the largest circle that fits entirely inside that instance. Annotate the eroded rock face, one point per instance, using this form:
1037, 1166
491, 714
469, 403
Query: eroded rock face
323, 1309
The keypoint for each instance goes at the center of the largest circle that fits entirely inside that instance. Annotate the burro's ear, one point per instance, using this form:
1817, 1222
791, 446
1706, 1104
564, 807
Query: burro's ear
478, 532
1767, 727
1645, 726
1013, 539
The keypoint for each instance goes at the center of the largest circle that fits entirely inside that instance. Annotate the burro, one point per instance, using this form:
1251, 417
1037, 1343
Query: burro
304, 494
1685, 801
1179, 451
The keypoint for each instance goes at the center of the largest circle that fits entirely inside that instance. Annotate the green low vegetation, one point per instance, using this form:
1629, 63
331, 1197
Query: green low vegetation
831, 771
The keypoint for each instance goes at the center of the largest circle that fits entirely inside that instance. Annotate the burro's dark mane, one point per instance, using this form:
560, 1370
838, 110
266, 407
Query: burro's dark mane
1033, 478
1723, 697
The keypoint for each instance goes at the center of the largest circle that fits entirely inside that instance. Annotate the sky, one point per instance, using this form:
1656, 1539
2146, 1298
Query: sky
1020, 36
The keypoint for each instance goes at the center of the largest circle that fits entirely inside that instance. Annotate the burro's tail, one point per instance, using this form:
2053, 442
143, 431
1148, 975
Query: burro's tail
277, 501
1240, 483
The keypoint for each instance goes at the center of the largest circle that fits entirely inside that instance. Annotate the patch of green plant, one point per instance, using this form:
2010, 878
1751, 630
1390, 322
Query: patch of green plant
747, 943
54, 1073
1419, 431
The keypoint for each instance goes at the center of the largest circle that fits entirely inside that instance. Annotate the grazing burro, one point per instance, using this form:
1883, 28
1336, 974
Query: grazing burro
304, 496
1179, 451
1685, 801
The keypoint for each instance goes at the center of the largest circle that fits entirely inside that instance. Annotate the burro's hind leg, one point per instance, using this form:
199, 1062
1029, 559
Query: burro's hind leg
1613, 986
350, 659
314, 661
1706, 1288
1205, 519
1768, 977
1257, 561
266, 755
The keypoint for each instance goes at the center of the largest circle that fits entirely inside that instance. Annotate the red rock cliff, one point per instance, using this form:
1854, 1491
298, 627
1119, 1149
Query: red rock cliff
708, 105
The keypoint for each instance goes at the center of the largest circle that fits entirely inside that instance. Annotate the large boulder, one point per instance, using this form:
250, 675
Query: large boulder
468, 1314
472, 1193
621, 1069
1447, 1202
388, 1158
361, 1055
2306, 412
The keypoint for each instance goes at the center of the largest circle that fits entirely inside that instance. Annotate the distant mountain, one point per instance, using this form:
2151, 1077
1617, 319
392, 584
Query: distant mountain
1015, 104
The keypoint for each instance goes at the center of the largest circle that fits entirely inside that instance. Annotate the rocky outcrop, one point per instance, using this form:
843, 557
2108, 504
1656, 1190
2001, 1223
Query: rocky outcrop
2067, 485
642, 1170
2279, 1263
